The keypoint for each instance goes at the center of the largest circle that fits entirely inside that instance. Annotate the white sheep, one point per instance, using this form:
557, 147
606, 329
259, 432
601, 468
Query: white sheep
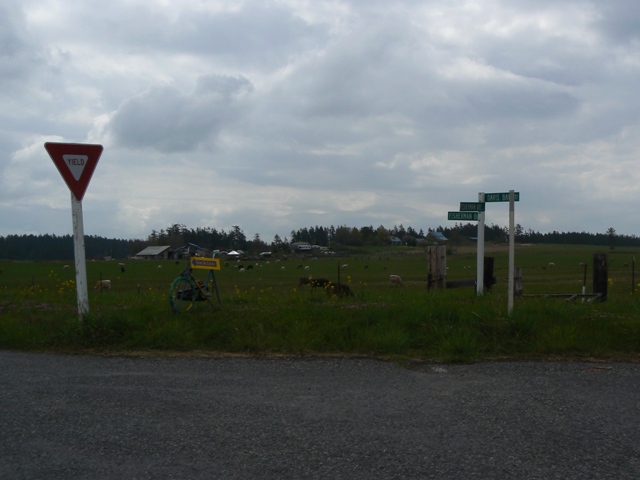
396, 280
103, 285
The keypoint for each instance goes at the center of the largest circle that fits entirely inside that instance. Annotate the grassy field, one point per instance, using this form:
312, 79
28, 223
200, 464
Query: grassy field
265, 311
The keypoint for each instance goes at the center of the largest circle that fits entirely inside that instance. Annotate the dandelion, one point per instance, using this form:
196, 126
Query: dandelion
610, 282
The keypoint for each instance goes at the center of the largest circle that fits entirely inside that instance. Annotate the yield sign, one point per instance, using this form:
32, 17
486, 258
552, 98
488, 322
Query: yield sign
76, 163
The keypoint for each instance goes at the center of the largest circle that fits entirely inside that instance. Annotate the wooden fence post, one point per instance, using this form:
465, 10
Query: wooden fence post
517, 284
437, 276
489, 279
600, 275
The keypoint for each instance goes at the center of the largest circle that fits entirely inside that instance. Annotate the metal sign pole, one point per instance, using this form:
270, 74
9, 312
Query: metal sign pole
511, 249
79, 253
480, 249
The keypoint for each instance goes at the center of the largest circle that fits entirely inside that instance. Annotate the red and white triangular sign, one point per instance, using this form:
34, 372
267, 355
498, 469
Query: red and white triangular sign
76, 163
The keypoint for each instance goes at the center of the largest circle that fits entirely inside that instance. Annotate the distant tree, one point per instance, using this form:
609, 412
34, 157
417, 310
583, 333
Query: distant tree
368, 235
611, 233
237, 239
382, 236
341, 236
518, 232
256, 245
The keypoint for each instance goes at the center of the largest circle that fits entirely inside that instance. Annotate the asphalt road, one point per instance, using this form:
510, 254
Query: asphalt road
83, 417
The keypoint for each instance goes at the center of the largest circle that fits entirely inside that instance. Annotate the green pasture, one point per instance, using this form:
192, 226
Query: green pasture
265, 311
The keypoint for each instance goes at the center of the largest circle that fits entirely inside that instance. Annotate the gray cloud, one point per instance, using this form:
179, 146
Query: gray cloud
167, 120
284, 114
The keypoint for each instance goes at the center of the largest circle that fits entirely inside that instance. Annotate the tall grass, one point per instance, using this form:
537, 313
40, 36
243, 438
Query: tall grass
266, 312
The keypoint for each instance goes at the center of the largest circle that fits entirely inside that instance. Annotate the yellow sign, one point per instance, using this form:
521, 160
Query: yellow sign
205, 263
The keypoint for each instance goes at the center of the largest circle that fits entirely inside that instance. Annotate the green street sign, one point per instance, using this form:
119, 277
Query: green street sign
468, 216
501, 197
472, 206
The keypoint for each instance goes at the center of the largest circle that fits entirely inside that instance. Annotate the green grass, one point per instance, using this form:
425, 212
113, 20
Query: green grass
264, 311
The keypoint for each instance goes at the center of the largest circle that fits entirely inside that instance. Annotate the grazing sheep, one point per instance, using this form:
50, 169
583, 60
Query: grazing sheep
249, 267
121, 265
241, 269
551, 264
345, 265
306, 267
299, 266
281, 268
102, 285
396, 280
66, 267
159, 267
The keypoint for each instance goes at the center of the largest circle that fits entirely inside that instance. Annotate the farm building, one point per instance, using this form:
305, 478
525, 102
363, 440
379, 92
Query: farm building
154, 253
436, 237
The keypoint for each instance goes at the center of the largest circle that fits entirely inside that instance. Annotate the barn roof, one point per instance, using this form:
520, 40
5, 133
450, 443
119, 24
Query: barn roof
439, 236
153, 251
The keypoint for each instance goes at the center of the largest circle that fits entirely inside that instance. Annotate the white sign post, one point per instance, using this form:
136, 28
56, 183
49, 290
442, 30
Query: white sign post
480, 250
510, 197
79, 254
512, 255
76, 163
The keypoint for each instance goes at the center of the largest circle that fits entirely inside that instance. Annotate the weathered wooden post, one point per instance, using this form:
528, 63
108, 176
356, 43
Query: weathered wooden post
517, 284
437, 277
488, 277
600, 275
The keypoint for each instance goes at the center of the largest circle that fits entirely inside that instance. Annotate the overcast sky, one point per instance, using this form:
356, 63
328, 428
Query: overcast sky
277, 115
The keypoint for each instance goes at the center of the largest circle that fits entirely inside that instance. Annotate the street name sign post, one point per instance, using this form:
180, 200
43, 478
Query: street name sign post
480, 249
511, 197
475, 211
512, 254
76, 163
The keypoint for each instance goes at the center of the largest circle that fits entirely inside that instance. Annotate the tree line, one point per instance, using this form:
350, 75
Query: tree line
51, 247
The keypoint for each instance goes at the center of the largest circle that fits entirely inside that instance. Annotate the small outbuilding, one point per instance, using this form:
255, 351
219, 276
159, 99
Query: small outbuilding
395, 241
154, 253
437, 237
